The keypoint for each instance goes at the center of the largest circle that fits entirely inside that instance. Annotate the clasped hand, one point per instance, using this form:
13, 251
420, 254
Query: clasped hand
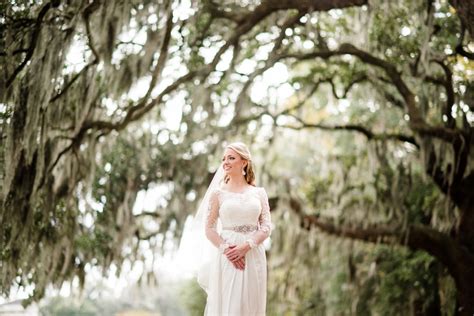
236, 255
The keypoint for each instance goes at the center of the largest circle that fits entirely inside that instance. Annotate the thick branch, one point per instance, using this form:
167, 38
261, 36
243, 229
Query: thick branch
239, 121
461, 51
358, 79
313, 5
465, 11
390, 70
160, 65
238, 16
414, 236
267, 7
393, 99
138, 113
74, 79
356, 128
86, 15
448, 85
416, 120
260, 13
271, 60
435, 80
460, 47
272, 6
256, 16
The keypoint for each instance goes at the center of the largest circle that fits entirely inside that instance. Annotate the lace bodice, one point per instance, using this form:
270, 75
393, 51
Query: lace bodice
242, 211
237, 209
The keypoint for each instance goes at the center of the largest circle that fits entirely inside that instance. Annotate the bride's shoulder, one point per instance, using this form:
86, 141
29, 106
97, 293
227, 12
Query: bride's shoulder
221, 188
217, 190
258, 189
254, 188
261, 191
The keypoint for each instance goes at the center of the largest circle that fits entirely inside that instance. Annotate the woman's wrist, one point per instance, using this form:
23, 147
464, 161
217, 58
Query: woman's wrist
223, 246
250, 243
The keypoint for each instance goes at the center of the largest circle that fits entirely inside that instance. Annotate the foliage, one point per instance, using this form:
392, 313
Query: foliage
404, 278
193, 298
360, 115
328, 276
72, 306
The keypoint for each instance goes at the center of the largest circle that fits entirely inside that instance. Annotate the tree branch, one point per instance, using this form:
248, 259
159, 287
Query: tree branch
416, 122
435, 80
356, 128
393, 99
414, 236
135, 114
465, 12
390, 70
253, 18
460, 47
71, 82
239, 121
238, 16
86, 15
358, 79
302, 124
271, 6
267, 7
271, 60
141, 107
461, 51
302, 101
160, 65
141, 236
260, 12
152, 214
448, 85
313, 5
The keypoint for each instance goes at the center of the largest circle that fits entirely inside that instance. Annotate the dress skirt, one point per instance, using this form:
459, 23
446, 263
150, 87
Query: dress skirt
234, 292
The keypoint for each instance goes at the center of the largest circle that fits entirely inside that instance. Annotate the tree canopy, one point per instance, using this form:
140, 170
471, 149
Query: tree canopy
360, 112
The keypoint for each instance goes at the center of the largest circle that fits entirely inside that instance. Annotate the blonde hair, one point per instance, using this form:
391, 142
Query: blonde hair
241, 149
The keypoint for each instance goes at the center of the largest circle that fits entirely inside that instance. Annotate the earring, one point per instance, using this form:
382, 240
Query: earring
243, 172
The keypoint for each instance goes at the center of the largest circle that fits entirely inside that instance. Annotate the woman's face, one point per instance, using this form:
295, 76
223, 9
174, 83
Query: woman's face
232, 162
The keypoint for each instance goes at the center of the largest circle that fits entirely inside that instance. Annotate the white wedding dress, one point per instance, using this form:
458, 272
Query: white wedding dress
243, 216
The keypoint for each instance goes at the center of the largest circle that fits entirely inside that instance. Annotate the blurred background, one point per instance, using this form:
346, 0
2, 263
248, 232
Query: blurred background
359, 115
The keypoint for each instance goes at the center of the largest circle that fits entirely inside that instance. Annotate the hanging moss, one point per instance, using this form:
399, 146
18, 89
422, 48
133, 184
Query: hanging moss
78, 144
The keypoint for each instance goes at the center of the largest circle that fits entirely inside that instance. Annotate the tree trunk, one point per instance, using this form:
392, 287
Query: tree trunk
465, 10
462, 196
465, 287
464, 199
465, 278
458, 259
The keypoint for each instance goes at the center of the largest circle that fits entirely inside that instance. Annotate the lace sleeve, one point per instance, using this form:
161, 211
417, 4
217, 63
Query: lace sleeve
264, 221
211, 221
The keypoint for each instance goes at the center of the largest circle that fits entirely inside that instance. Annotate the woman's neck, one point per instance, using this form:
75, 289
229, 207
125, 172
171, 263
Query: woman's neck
238, 182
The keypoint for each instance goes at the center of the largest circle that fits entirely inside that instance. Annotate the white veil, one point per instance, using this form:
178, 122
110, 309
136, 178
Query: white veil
194, 246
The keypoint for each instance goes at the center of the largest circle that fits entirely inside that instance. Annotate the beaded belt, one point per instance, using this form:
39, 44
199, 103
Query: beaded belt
242, 228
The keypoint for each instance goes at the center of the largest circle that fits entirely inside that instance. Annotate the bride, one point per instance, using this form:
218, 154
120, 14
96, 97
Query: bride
235, 216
